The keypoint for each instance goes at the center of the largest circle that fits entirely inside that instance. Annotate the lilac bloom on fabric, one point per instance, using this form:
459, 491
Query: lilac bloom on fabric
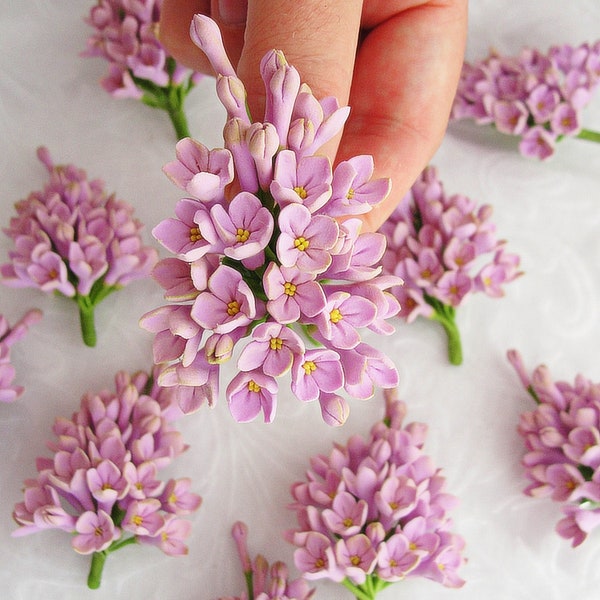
316, 371
95, 532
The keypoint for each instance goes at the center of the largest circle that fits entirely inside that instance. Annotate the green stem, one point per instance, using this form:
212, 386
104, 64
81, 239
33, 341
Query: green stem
454, 344
86, 320
358, 592
179, 120
96, 568
587, 134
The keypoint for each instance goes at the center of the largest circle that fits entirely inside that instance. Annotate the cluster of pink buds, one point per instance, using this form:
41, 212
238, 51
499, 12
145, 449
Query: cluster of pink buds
273, 267
264, 582
140, 68
437, 243
562, 437
8, 336
102, 484
73, 239
537, 97
374, 512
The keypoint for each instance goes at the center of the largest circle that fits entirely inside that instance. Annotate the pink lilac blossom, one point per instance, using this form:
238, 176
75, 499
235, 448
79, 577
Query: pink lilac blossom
445, 249
562, 438
8, 336
265, 582
537, 97
269, 269
126, 35
102, 482
74, 239
374, 511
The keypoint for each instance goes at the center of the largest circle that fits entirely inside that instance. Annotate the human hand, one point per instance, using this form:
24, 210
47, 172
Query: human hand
395, 62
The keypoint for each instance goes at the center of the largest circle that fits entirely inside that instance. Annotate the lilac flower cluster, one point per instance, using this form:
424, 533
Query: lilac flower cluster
436, 243
102, 483
73, 239
538, 97
273, 263
140, 68
373, 512
8, 336
562, 437
264, 582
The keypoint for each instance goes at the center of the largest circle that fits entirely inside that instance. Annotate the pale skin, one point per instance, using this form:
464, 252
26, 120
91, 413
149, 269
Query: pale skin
395, 62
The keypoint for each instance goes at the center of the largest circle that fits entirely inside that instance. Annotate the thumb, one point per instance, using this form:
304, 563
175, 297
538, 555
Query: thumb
319, 39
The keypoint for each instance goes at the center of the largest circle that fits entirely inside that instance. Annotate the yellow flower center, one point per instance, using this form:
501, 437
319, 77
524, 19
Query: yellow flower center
393, 563
137, 520
106, 486
355, 560
319, 563
195, 235
233, 308
301, 191
289, 288
98, 531
309, 366
335, 316
242, 235
350, 194
172, 498
253, 386
347, 522
301, 244
425, 274
412, 546
276, 343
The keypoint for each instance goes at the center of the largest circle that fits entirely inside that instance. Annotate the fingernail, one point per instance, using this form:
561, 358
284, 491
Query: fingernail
233, 12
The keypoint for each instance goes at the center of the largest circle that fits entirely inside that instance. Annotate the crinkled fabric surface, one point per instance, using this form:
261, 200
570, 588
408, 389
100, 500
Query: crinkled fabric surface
549, 213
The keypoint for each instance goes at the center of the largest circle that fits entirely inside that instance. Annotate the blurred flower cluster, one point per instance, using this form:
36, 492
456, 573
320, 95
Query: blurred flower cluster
264, 582
126, 36
538, 97
102, 483
444, 248
374, 512
8, 336
272, 267
73, 239
562, 437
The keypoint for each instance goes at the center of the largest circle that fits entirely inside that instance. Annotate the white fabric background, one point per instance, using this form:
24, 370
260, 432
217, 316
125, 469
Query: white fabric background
549, 213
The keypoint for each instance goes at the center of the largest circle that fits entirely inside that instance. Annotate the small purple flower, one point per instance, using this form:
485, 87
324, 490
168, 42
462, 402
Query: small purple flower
316, 371
228, 304
245, 227
250, 392
272, 349
95, 532
305, 241
537, 142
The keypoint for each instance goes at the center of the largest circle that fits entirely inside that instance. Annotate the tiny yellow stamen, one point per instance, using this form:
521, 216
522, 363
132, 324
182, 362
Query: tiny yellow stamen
137, 520
195, 235
253, 386
172, 498
276, 343
301, 243
106, 486
355, 560
98, 531
301, 191
350, 194
319, 563
289, 288
335, 316
233, 308
347, 522
242, 235
309, 366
